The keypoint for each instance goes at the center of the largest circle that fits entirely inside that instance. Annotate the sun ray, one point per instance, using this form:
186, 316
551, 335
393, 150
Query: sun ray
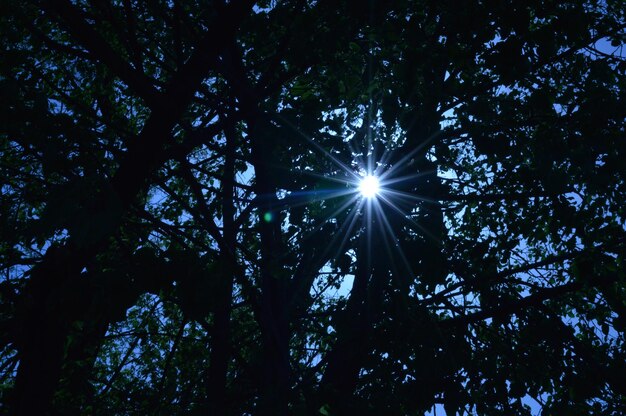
339, 179
388, 231
368, 232
410, 196
350, 221
300, 198
332, 158
406, 158
409, 220
398, 179
383, 160
319, 226
355, 149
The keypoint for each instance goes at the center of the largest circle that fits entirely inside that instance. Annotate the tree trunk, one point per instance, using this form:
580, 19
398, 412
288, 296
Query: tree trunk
274, 284
221, 339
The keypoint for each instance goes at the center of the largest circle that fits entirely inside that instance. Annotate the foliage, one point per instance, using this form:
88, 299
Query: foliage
181, 231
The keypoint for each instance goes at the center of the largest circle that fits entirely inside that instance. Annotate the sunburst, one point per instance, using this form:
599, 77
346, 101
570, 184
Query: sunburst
369, 186
374, 188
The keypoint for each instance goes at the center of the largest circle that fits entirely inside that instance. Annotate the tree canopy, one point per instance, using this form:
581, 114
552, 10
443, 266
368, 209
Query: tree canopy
182, 230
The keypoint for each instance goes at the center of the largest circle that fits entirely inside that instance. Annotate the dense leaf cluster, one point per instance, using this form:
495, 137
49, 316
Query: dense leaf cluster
181, 231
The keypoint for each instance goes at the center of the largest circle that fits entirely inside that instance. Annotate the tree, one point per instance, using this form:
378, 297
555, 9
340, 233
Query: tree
182, 230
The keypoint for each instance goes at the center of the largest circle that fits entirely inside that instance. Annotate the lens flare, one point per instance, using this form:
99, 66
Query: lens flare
369, 186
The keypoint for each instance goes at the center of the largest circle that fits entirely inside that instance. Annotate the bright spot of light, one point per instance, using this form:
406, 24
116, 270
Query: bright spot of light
369, 186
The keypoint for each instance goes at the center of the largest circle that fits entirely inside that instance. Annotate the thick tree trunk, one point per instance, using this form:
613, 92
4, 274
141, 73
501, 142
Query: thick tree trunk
221, 339
355, 328
274, 284
43, 323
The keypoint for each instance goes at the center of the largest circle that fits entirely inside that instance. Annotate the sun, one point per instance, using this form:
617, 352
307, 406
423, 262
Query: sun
369, 186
